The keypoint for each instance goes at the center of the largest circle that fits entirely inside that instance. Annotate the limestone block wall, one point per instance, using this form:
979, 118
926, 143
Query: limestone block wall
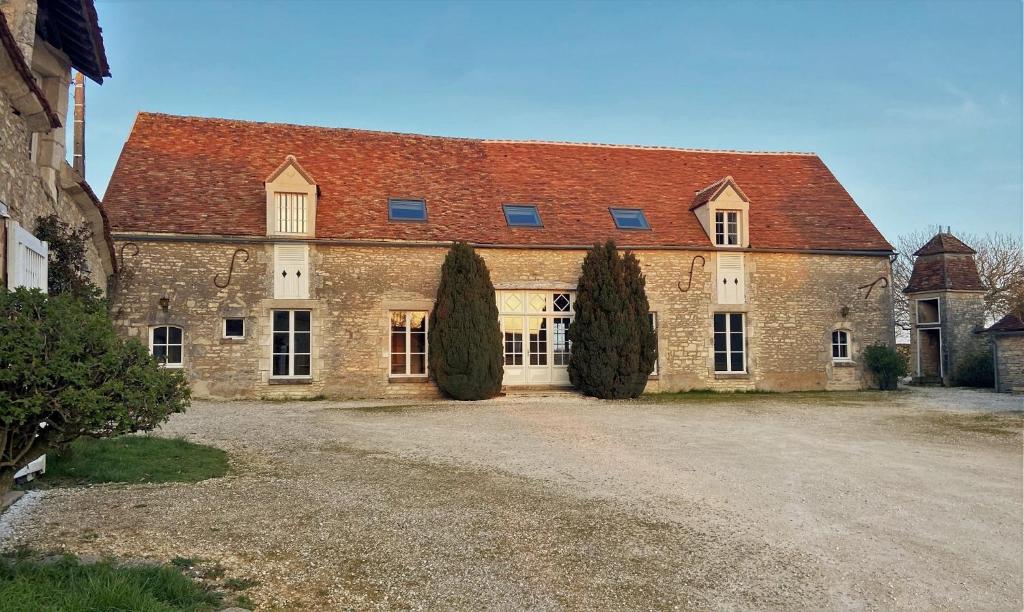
23, 190
1009, 362
794, 301
962, 313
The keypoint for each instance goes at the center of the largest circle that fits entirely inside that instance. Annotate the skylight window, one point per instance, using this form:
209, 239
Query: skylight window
522, 215
630, 219
407, 210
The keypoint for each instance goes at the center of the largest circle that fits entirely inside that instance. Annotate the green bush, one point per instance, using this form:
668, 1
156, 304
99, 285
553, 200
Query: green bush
65, 373
68, 270
613, 342
886, 364
975, 370
465, 336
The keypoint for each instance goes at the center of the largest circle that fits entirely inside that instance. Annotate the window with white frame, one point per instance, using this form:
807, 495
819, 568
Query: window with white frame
730, 345
291, 344
653, 318
291, 213
234, 327
408, 343
727, 227
928, 311
165, 343
840, 345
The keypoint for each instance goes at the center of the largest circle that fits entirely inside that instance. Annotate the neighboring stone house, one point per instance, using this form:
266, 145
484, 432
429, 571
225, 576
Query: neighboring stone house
40, 42
947, 308
1008, 353
276, 260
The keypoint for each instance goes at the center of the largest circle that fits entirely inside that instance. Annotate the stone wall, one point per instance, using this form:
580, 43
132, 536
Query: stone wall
1009, 362
962, 313
27, 197
794, 302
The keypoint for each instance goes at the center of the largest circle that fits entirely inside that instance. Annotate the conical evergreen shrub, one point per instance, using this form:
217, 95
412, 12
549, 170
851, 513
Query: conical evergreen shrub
613, 342
465, 337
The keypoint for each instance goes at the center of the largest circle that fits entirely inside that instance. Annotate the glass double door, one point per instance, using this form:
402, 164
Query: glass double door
535, 332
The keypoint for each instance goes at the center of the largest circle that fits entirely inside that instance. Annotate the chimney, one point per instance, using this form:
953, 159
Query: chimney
78, 160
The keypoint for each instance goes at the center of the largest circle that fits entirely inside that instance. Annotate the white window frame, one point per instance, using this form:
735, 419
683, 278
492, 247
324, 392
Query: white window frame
729, 217
167, 344
653, 318
844, 342
225, 329
408, 344
291, 344
729, 352
291, 213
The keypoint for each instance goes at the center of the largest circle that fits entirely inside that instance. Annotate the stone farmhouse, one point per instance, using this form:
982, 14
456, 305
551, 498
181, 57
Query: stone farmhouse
40, 42
271, 260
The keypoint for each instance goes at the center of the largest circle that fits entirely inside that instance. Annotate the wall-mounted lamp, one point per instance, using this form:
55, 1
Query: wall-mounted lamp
165, 303
844, 311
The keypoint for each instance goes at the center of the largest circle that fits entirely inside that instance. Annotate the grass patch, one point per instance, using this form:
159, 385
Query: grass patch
988, 423
133, 459
711, 396
386, 409
66, 584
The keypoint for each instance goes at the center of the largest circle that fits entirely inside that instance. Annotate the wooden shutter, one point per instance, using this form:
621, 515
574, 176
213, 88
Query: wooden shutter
27, 259
731, 288
291, 271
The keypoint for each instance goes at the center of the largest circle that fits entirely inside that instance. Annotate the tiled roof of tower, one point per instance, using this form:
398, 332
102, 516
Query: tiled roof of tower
205, 176
944, 243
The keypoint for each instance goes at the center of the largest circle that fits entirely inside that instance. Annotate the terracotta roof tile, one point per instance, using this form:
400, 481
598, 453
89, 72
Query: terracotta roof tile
205, 176
1009, 323
944, 243
944, 272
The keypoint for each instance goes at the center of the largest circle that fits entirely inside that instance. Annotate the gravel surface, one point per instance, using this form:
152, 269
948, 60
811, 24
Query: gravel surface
812, 501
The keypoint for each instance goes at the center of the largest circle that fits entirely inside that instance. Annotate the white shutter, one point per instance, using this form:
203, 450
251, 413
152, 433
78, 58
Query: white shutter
27, 259
731, 288
291, 271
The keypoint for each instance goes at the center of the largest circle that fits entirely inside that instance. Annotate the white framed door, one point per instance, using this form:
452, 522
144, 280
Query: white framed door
535, 326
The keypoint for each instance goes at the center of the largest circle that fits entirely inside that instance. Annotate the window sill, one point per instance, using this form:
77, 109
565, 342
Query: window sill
844, 364
408, 379
732, 375
232, 340
290, 381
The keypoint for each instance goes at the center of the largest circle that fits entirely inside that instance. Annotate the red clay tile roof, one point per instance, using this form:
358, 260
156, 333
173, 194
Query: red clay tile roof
942, 272
944, 243
1009, 323
711, 192
205, 176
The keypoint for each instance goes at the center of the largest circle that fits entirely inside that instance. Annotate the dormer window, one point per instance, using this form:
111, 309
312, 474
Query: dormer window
727, 227
291, 201
723, 211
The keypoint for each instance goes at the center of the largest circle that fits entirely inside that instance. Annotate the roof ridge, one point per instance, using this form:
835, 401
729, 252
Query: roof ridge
481, 140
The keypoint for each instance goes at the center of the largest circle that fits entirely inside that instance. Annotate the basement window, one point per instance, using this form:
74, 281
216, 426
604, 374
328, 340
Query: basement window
522, 215
630, 219
407, 210
234, 328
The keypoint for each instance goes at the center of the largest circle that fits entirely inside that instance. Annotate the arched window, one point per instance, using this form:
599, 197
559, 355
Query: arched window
165, 343
840, 345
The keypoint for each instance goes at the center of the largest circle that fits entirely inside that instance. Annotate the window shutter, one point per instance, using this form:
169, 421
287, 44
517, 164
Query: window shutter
731, 289
27, 259
291, 271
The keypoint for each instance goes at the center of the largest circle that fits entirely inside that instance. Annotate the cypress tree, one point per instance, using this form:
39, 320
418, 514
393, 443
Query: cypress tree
466, 358
613, 342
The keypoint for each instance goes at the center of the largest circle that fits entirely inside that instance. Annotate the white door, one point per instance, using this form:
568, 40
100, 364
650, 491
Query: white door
535, 327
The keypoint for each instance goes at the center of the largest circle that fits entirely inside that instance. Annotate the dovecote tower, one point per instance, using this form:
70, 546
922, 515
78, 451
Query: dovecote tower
947, 307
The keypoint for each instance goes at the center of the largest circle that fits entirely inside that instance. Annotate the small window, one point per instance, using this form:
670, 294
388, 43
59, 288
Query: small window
408, 343
653, 318
630, 219
291, 213
407, 210
165, 343
522, 215
290, 356
730, 353
234, 328
727, 228
840, 345
928, 311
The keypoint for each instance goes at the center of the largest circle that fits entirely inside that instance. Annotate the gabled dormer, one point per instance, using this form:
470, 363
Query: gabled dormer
724, 212
291, 201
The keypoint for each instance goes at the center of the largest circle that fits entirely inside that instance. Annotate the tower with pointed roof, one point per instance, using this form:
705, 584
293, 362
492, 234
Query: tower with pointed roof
947, 307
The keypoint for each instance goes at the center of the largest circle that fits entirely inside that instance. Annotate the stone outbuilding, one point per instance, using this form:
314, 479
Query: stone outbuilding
947, 308
1008, 353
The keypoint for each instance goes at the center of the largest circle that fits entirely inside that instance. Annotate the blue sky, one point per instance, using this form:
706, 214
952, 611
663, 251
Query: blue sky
915, 106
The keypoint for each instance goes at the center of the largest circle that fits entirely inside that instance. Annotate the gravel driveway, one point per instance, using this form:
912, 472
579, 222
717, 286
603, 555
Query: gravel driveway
556, 502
